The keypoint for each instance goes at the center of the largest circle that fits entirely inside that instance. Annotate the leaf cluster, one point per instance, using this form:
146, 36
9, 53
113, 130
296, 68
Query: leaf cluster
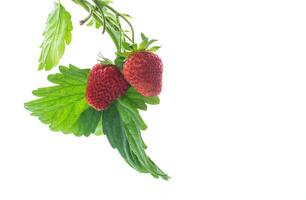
64, 108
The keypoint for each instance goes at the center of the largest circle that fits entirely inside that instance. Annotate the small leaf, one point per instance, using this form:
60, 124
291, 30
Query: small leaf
144, 44
151, 42
152, 100
57, 34
134, 46
143, 36
90, 23
98, 25
126, 46
94, 22
155, 48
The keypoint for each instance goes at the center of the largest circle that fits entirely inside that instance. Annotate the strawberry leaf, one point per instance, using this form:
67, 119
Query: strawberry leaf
152, 100
145, 40
139, 101
63, 106
87, 122
57, 34
122, 124
144, 37
126, 46
154, 49
128, 110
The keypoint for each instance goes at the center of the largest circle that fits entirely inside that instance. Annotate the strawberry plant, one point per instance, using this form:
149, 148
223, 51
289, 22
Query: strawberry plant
105, 99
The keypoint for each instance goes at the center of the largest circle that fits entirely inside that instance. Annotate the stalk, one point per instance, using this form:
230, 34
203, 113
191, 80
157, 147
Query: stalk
118, 36
91, 9
124, 18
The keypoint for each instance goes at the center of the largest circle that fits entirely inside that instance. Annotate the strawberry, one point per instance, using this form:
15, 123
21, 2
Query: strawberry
105, 84
143, 70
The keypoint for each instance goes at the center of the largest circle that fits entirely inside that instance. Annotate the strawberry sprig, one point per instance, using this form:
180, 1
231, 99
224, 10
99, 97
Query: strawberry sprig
106, 99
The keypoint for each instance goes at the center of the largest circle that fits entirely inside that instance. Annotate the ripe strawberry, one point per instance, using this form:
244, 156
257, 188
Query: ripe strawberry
105, 84
143, 70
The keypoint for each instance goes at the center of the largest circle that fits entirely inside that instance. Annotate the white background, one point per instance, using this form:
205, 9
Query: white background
231, 123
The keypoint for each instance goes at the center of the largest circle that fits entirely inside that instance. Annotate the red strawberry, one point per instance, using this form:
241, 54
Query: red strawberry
105, 84
143, 70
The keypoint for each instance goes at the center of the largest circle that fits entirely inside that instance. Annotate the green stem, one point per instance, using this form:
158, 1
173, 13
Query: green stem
88, 7
120, 33
124, 18
100, 8
104, 21
111, 33
125, 35
87, 18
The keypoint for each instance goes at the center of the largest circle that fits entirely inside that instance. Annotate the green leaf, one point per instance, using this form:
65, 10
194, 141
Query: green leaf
143, 45
113, 127
136, 99
87, 122
145, 40
94, 22
57, 33
144, 37
151, 42
123, 133
152, 100
140, 101
129, 110
155, 48
126, 46
134, 47
63, 106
